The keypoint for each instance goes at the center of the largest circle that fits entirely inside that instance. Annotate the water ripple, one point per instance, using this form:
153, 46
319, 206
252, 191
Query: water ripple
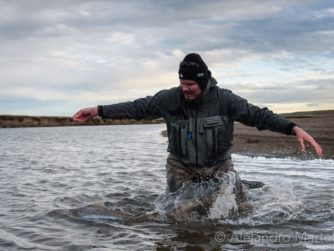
64, 189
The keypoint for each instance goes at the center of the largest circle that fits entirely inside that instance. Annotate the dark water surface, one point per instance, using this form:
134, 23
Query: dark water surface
103, 188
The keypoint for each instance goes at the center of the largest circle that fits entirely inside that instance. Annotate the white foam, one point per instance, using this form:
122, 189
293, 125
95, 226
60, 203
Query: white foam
226, 203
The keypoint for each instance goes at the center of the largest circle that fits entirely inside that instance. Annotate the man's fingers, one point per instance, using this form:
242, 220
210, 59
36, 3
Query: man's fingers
317, 148
77, 116
304, 136
301, 145
80, 116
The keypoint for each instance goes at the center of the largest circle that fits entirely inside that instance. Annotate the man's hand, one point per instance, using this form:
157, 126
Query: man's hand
304, 136
85, 114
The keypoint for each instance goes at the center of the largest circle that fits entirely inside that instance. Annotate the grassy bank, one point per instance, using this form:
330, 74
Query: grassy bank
11, 121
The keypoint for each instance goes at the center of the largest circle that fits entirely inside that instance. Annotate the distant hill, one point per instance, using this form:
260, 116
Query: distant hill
10, 121
321, 113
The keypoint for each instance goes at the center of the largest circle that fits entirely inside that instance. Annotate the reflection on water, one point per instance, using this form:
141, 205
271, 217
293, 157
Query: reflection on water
103, 188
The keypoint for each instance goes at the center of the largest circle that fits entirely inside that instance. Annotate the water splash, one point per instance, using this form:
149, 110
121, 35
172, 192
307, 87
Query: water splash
225, 203
274, 203
211, 199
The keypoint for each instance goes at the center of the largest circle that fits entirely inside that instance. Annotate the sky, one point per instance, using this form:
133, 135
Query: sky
57, 57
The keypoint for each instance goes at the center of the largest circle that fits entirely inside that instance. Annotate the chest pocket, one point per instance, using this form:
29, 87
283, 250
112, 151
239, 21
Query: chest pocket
215, 136
178, 138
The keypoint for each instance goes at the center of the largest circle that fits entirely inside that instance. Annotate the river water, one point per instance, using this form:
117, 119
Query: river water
103, 188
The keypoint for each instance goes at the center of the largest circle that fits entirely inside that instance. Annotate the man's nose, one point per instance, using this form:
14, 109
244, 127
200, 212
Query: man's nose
184, 88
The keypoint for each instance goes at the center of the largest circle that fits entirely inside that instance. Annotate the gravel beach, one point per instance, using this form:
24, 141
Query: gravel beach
320, 125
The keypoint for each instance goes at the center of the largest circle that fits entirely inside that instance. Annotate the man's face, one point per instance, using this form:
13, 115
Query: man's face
190, 89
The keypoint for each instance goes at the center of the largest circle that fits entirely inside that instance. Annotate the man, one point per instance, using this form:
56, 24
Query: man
199, 117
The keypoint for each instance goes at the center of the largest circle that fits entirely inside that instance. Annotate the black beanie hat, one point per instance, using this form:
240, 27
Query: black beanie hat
192, 67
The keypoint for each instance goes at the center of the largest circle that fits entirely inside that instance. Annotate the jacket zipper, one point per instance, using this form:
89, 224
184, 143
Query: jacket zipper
196, 144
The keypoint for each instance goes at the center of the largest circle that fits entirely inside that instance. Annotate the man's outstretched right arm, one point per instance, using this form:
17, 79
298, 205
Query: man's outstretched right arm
137, 109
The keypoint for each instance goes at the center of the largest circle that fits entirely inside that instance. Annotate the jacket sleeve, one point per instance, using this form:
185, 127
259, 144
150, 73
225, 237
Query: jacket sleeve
261, 118
138, 109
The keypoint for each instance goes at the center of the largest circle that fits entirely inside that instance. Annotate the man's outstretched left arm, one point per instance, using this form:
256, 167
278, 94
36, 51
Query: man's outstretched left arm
262, 118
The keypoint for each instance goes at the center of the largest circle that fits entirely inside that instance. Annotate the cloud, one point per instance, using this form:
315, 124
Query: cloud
304, 92
90, 52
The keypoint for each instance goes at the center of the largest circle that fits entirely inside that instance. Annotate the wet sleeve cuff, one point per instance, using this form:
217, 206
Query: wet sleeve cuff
100, 111
289, 129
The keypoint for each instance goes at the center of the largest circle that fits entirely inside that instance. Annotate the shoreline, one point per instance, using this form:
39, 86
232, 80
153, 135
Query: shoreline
247, 140
21, 121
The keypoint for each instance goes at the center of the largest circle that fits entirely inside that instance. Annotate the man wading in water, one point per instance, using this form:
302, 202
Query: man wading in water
199, 117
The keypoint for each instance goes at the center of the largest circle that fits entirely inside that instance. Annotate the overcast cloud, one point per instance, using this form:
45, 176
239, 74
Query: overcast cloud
59, 56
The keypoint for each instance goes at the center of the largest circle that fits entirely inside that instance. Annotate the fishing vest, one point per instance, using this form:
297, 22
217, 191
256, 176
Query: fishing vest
201, 142
199, 134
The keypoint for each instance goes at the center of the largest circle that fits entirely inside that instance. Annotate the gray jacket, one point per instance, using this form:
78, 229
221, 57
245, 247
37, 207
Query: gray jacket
200, 133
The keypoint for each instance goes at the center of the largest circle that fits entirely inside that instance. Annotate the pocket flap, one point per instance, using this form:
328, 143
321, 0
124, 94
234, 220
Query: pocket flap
213, 122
